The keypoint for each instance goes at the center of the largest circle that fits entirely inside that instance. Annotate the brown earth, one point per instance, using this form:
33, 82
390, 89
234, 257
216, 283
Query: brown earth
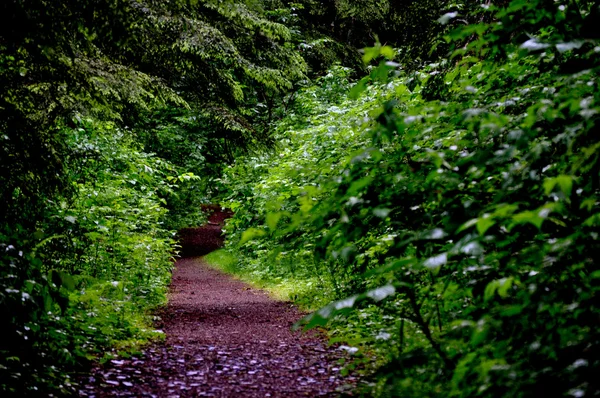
203, 240
223, 339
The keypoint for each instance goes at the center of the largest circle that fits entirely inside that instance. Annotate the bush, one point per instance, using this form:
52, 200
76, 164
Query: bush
458, 222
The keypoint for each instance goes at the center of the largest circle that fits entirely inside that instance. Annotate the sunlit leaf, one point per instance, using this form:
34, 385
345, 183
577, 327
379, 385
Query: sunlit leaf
250, 234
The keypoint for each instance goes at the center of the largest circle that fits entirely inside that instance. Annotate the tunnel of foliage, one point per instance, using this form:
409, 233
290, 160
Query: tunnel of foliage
437, 200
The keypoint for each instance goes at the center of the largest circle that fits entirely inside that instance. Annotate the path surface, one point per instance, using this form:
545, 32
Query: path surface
223, 339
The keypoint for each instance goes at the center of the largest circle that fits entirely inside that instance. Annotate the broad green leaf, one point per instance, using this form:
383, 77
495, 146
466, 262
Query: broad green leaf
381, 292
381, 212
504, 285
512, 310
359, 88
387, 52
490, 290
535, 217
272, 220
564, 182
592, 221
62, 279
588, 203
68, 281
47, 300
484, 223
250, 234
396, 265
447, 17
357, 186
370, 53
467, 225
500, 286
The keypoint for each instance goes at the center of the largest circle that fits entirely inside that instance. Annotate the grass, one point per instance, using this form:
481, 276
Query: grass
306, 293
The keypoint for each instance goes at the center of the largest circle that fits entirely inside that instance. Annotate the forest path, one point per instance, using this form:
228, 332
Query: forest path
223, 339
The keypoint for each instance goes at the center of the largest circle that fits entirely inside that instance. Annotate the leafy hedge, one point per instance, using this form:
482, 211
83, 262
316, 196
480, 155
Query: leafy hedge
109, 113
100, 260
457, 222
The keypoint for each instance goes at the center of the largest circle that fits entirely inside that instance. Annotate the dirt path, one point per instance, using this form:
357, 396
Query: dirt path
224, 339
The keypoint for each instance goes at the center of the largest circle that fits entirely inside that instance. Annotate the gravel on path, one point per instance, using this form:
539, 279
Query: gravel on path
223, 339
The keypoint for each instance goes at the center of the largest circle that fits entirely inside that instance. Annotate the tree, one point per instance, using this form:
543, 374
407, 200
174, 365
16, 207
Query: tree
84, 88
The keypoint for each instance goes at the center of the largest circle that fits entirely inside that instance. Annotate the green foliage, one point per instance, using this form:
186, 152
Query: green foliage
115, 119
453, 210
411, 25
310, 150
306, 292
124, 60
84, 280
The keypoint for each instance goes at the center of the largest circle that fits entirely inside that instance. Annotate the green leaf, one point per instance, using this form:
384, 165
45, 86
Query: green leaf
370, 53
447, 17
272, 219
480, 333
467, 225
484, 223
490, 290
531, 217
396, 265
535, 217
387, 52
500, 286
505, 210
504, 286
322, 316
592, 221
47, 301
62, 279
588, 203
250, 234
564, 182
381, 212
381, 293
358, 88
357, 186
67, 281
512, 310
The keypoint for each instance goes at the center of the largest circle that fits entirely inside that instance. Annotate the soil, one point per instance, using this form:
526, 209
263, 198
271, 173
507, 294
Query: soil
203, 240
223, 339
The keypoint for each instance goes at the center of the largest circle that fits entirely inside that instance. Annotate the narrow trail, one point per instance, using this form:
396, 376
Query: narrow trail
223, 339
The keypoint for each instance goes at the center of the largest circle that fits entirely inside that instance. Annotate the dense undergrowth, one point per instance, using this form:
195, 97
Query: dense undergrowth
453, 210
114, 120
97, 266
